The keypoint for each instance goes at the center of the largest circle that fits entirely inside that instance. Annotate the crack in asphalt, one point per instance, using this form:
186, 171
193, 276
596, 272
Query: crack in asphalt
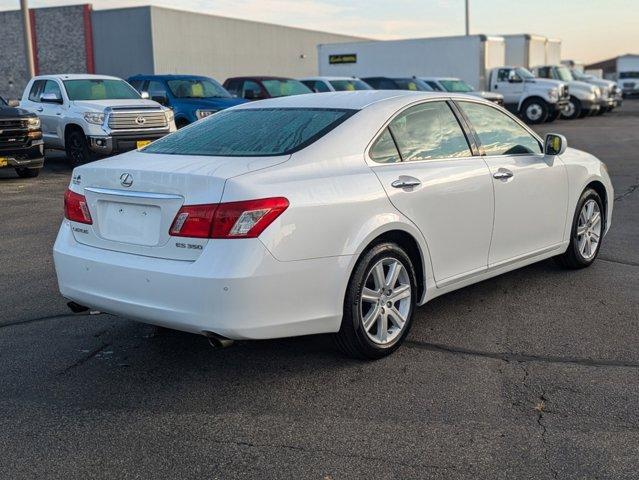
521, 357
620, 262
544, 431
631, 189
44, 319
298, 448
87, 357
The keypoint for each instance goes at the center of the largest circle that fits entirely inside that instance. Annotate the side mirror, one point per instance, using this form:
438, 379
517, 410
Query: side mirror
514, 78
50, 98
161, 99
144, 95
555, 144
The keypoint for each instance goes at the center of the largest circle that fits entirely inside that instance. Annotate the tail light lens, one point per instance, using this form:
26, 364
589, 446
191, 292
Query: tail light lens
76, 208
246, 219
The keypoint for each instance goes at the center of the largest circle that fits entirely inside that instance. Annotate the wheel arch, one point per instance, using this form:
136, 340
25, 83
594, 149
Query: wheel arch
600, 188
529, 98
68, 128
412, 242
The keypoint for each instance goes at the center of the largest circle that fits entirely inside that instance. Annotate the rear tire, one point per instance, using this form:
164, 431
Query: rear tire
586, 233
28, 172
573, 110
77, 148
379, 303
534, 111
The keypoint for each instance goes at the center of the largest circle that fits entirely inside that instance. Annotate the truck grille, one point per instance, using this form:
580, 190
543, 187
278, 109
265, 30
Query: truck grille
137, 119
13, 133
563, 92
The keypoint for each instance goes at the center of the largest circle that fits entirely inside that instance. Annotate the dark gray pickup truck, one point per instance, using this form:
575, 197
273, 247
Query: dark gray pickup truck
21, 146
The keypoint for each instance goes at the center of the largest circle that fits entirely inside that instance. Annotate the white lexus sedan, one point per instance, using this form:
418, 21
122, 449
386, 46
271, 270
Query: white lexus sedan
327, 213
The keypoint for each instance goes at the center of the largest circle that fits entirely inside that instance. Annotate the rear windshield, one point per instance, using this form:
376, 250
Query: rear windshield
348, 85
252, 132
100, 89
282, 87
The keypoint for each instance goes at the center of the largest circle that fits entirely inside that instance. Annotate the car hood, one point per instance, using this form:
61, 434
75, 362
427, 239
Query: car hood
487, 95
102, 104
576, 85
11, 112
214, 103
546, 82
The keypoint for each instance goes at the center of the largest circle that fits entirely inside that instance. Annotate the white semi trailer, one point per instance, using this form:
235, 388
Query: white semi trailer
525, 50
467, 57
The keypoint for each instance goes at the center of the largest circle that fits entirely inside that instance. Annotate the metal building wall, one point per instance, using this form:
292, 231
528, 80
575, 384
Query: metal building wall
122, 41
59, 36
220, 47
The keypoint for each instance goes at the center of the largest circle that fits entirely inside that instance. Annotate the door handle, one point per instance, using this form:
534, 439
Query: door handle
40, 109
503, 174
405, 182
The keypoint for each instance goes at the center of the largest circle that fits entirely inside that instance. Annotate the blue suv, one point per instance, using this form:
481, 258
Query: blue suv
190, 96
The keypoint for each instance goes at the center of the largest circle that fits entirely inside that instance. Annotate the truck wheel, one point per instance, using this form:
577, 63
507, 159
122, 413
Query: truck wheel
181, 123
552, 116
534, 110
77, 148
573, 109
28, 172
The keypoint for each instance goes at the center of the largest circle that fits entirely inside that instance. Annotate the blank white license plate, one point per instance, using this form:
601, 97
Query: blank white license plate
130, 223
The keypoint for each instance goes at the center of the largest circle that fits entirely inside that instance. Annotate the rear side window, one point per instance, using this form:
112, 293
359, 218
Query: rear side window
252, 132
384, 149
498, 133
429, 131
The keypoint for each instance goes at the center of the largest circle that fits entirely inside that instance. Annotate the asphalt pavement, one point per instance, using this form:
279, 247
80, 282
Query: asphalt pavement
533, 374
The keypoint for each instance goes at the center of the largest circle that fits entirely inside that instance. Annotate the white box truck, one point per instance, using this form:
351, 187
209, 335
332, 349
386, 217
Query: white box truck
525, 50
628, 74
553, 51
467, 57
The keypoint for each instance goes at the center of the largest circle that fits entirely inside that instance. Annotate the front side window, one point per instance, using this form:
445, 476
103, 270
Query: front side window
156, 88
252, 132
349, 85
250, 85
52, 86
498, 133
564, 74
281, 87
36, 90
413, 84
197, 88
100, 89
137, 84
429, 131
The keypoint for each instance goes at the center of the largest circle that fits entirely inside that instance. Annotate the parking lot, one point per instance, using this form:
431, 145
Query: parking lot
533, 374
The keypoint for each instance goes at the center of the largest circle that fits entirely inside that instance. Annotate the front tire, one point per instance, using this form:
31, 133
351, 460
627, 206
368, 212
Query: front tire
573, 110
379, 303
534, 111
586, 233
28, 172
77, 148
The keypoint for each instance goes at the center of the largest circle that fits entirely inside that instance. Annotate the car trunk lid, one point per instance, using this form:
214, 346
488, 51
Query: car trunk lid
134, 198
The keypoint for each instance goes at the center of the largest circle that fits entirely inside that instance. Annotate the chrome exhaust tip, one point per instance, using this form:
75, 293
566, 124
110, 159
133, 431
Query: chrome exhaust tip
218, 341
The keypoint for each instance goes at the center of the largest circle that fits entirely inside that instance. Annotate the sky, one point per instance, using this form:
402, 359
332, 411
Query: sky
590, 30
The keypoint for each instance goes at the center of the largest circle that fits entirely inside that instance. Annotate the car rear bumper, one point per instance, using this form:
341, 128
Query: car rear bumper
236, 288
28, 157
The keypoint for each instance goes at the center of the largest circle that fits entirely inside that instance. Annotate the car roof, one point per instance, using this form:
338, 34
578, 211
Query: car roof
356, 100
258, 78
75, 76
438, 78
329, 78
168, 76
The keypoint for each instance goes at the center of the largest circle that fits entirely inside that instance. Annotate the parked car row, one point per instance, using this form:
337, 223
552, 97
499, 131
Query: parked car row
96, 115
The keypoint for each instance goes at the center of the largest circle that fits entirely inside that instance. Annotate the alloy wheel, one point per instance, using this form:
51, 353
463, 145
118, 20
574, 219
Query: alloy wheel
589, 229
534, 112
385, 301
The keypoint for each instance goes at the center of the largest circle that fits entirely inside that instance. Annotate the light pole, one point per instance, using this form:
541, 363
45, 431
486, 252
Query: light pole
28, 45
467, 18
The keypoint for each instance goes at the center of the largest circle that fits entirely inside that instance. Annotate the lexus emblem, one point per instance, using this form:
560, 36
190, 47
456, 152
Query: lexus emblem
140, 120
126, 180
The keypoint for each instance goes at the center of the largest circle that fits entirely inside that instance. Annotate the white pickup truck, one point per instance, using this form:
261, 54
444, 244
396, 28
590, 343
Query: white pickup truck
536, 100
91, 115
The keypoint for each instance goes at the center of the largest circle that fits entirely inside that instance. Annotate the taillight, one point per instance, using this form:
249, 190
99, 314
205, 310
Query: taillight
246, 219
75, 208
